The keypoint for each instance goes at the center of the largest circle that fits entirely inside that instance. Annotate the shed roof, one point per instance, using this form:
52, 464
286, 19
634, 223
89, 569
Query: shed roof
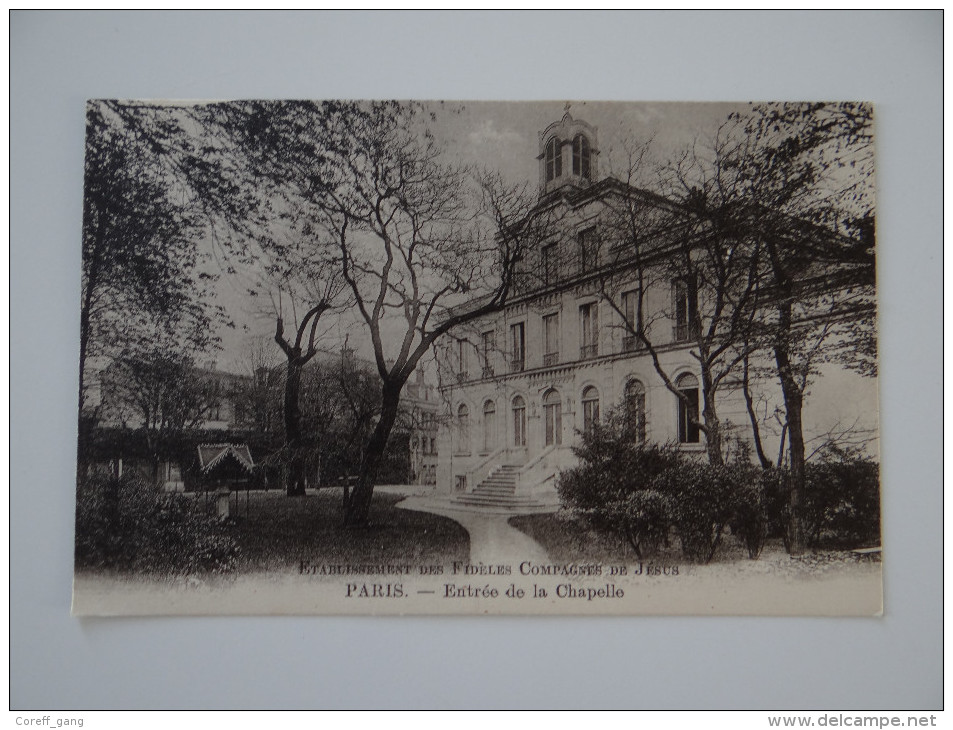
211, 455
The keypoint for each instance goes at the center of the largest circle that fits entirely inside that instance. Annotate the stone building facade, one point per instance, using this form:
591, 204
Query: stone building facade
521, 385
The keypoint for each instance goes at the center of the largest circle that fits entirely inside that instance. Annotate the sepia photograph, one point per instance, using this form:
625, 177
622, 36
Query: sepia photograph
562, 360
422, 357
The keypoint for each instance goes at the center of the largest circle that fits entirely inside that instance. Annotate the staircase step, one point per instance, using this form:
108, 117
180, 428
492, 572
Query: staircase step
493, 498
495, 502
498, 492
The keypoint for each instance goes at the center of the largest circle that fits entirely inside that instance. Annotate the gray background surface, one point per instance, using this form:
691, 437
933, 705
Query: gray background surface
58, 60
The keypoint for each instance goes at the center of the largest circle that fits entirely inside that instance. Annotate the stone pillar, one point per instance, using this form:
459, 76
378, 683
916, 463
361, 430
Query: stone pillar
222, 495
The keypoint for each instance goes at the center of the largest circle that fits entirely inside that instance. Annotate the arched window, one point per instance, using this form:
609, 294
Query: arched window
635, 409
489, 425
519, 421
590, 408
688, 432
580, 157
553, 417
463, 429
554, 162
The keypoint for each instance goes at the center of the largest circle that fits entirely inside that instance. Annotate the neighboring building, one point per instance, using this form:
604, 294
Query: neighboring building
170, 397
120, 401
520, 385
207, 399
420, 408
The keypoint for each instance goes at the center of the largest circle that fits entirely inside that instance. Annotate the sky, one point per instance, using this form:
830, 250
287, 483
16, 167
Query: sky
502, 136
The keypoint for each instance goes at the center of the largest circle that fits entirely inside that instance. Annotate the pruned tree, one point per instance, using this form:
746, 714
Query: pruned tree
307, 286
299, 350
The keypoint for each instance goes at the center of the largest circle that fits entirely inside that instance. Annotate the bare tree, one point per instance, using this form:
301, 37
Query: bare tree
409, 242
683, 276
805, 190
774, 241
411, 247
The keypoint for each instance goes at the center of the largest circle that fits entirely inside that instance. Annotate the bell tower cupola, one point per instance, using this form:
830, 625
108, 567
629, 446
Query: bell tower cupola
568, 155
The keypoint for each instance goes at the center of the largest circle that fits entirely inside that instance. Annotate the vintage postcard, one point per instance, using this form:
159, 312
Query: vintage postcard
399, 357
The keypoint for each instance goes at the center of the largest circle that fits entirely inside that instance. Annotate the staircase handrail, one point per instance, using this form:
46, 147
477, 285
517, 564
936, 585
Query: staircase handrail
538, 458
482, 471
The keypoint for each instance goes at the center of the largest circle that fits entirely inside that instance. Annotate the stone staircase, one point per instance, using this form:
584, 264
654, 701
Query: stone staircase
497, 493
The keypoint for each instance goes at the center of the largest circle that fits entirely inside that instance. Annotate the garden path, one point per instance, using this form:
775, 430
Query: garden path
492, 538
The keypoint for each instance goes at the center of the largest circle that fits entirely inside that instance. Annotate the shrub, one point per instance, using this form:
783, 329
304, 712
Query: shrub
126, 524
611, 464
611, 488
749, 523
776, 494
704, 500
641, 491
644, 518
842, 503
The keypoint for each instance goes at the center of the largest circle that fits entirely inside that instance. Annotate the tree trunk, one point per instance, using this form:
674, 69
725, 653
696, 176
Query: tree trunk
358, 505
295, 456
710, 418
793, 406
85, 313
753, 417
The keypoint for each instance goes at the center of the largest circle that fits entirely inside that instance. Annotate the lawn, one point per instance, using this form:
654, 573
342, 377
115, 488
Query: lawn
277, 531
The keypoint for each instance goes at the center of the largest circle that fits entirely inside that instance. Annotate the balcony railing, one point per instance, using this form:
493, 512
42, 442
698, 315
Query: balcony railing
488, 371
462, 377
517, 366
550, 358
589, 351
630, 343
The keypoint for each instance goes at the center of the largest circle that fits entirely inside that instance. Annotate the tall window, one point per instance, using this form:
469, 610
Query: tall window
551, 339
489, 347
580, 156
519, 421
635, 409
550, 263
462, 359
463, 429
489, 425
553, 417
688, 432
554, 162
589, 329
630, 310
685, 304
590, 408
517, 347
588, 250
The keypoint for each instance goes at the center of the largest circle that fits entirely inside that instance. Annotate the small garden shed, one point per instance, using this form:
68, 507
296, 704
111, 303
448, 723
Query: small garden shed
226, 464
